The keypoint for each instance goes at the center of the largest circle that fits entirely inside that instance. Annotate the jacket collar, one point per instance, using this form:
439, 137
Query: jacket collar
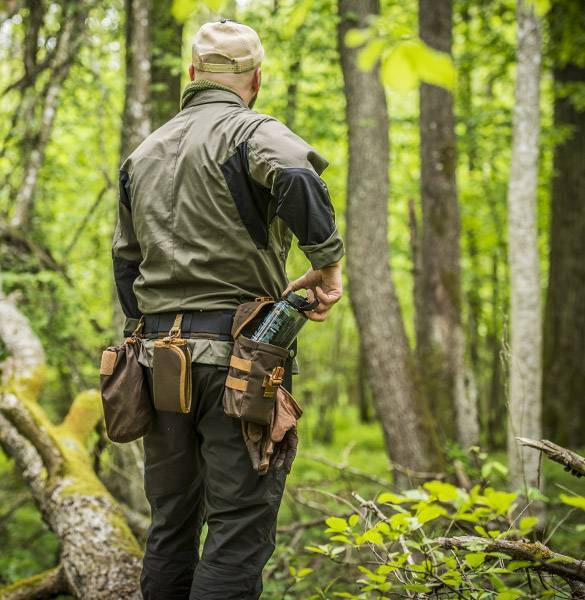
203, 91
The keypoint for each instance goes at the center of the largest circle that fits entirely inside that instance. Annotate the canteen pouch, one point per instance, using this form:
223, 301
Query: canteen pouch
128, 410
256, 369
171, 372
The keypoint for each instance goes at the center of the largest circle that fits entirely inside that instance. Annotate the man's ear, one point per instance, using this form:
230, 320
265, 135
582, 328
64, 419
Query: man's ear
257, 79
192, 72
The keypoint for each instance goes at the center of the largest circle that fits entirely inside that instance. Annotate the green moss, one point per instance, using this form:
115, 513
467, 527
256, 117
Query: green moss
26, 585
70, 438
84, 414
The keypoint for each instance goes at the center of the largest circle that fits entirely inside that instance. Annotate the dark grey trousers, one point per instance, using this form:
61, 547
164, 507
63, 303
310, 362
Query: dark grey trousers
197, 469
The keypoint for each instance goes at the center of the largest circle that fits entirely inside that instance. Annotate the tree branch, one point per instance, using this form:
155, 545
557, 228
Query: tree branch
543, 558
49, 584
573, 462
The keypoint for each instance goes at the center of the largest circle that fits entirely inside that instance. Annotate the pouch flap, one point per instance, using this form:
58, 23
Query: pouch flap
247, 312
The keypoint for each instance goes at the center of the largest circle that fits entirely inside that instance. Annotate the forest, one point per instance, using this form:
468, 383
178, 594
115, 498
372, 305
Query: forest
442, 447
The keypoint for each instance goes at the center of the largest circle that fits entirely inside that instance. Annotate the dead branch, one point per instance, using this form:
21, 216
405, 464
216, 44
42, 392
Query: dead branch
573, 462
570, 569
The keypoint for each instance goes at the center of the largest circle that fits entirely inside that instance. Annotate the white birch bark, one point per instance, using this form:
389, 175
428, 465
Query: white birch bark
524, 408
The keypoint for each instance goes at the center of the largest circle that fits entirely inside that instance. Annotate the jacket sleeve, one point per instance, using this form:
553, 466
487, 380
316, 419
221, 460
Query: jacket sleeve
283, 162
126, 254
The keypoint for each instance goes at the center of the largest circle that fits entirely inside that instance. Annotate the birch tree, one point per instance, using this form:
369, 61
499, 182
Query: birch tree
524, 409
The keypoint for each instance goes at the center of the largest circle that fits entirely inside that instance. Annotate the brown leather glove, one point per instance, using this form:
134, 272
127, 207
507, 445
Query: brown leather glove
276, 445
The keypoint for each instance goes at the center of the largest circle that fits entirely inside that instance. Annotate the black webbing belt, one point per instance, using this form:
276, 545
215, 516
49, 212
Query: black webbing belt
215, 322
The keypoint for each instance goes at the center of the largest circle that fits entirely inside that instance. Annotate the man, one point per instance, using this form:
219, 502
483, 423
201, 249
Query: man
208, 206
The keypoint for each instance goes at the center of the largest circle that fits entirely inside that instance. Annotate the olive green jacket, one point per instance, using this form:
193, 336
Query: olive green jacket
208, 206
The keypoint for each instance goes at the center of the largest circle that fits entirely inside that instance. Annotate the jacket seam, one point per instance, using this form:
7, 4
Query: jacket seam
172, 202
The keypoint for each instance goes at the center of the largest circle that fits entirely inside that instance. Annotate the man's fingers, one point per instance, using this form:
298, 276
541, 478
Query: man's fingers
325, 298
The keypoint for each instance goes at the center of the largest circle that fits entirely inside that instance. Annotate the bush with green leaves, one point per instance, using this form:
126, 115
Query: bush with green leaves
442, 541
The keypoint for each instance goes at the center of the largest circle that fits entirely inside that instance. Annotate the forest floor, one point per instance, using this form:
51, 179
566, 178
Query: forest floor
316, 489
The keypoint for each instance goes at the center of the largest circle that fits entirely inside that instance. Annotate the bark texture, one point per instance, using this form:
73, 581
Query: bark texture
136, 116
371, 291
440, 338
166, 37
100, 558
564, 330
126, 479
525, 407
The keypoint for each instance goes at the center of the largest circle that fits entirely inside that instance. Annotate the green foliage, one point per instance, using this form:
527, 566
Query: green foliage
404, 63
393, 548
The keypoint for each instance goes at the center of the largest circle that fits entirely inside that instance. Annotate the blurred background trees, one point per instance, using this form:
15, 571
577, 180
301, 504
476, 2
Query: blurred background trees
460, 221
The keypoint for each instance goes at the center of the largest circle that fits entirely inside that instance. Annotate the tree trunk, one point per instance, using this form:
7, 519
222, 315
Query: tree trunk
126, 479
371, 291
524, 411
564, 330
100, 558
136, 117
166, 57
440, 339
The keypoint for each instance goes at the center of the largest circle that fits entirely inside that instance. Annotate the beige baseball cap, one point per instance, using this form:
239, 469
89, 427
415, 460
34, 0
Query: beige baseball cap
226, 47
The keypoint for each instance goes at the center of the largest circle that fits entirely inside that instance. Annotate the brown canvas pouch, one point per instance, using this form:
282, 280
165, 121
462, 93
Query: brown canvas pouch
171, 371
126, 399
256, 369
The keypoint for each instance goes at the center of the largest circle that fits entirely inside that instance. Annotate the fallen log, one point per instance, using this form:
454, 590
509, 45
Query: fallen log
100, 557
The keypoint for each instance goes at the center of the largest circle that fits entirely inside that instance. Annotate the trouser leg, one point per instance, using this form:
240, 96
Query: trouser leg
173, 482
241, 506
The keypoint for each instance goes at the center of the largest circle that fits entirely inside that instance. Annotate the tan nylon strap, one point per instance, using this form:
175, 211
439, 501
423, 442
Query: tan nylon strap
241, 364
251, 316
176, 328
236, 384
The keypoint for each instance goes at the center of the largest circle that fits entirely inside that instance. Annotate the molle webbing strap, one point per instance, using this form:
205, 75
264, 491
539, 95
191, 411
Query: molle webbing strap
241, 364
236, 384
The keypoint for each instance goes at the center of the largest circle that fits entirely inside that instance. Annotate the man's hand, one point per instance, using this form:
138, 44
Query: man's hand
324, 285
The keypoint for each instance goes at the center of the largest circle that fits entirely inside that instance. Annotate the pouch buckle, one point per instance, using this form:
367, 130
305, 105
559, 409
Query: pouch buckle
273, 381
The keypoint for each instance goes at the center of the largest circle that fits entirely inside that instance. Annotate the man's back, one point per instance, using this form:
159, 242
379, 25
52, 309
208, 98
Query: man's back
203, 197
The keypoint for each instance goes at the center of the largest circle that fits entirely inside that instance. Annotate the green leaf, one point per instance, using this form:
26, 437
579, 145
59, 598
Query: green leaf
541, 7
390, 498
340, 538
336, 523
444, 492
397, 71
297, 18
182, 9
373, 536
577, 501
304, 572
356, 37
318, 549
353, 520
518, 564
527, 524
292, 570
417, 587
368, 56
475, 559
498, 501
509, 594
429, 513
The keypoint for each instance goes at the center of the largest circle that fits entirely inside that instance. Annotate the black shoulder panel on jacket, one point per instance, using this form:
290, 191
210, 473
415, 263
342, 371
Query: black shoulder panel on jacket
304, 205
252, 199
125, 272
124, 183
